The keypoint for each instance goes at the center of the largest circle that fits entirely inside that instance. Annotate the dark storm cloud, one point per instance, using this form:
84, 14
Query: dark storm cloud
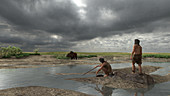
4, 39
131, 13
32, 14
61, 17
3, 26
28, 44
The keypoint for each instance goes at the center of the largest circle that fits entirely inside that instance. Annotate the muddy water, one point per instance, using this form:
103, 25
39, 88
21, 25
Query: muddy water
46, 76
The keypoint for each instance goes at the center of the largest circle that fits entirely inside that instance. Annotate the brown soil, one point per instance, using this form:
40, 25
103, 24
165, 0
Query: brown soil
122, 82
146, 70
32, 61
39, 91
50, 60
124, 59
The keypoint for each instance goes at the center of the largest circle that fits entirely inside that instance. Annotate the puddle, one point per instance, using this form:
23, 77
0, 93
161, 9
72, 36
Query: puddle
46, 76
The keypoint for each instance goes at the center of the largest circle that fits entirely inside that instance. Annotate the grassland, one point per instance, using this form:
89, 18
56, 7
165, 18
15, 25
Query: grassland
61, 55
157, 55
87, 53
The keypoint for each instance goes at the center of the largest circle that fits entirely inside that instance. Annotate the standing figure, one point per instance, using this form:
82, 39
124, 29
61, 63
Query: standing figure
136, 56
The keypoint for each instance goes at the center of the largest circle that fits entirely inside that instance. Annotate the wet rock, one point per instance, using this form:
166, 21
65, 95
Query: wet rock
137, 78
121, 80
161, 79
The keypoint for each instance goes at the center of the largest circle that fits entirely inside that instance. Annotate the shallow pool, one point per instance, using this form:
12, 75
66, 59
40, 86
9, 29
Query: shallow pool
46, 76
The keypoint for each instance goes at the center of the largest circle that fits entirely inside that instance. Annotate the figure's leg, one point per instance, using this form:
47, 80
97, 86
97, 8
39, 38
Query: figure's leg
106, 72
106, 75
140, 68
133, 67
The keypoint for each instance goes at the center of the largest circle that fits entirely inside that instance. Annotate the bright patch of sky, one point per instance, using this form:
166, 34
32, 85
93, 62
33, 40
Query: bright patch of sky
57, 37
107, 14
82, 13
79, 3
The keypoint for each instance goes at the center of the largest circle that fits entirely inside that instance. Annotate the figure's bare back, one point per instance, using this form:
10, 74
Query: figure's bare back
138, 49
109, 68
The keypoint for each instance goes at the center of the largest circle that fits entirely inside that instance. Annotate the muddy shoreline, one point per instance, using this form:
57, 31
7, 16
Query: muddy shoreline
50, 60
39, 91
122, 82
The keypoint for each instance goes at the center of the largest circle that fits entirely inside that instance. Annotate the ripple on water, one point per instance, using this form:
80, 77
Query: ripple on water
46, 76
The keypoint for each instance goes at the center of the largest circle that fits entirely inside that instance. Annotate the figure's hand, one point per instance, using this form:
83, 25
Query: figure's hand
96, 73
96, 66
131, 57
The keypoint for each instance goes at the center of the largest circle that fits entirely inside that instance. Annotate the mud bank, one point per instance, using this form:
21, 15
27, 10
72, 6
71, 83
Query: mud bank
125, 79
50, 60
124, 59
32, 61
39, 91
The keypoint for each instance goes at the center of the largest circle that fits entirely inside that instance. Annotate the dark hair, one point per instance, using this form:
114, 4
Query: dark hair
137, 41
101, 60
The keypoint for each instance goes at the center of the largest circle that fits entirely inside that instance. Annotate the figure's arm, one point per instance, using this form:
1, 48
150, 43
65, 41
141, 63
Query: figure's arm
133, 51
98, 66
99, 69
141, 51
101, 66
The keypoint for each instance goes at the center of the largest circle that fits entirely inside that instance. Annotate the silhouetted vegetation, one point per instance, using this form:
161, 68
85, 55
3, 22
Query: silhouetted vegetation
8, 52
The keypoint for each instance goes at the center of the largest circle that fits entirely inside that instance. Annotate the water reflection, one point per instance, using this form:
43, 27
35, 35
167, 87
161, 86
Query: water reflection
71, 66
108, 91
104, 90
142, 94
140, 91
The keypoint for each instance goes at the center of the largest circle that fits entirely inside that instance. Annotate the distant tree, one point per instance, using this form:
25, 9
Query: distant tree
36, 50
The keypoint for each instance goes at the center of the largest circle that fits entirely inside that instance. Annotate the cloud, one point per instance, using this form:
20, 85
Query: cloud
151, 42
42, 22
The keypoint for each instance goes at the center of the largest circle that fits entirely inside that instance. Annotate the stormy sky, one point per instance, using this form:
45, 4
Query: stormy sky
85, 25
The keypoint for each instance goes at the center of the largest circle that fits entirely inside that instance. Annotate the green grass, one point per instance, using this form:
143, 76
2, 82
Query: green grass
62, 55
22, 55
86, 56
53, 53
25, 54
157, 55
105, 53
87, 53
34, 53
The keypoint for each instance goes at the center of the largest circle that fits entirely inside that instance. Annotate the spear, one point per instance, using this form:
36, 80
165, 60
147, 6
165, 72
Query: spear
89, 71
